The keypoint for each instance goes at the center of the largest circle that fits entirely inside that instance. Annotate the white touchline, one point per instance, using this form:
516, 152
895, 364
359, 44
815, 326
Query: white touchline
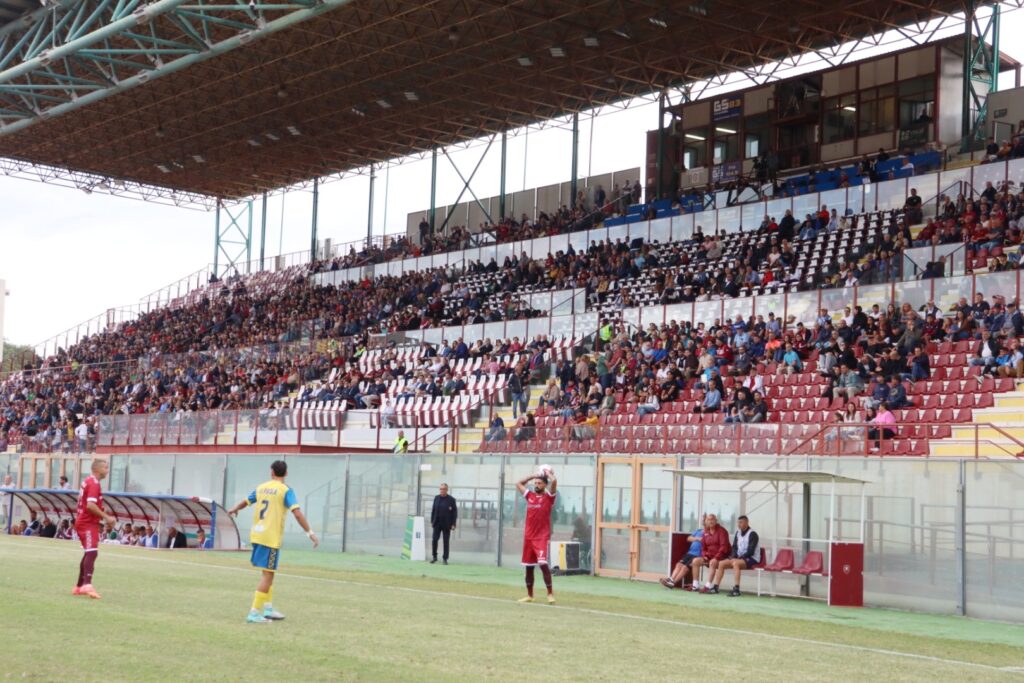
583, 610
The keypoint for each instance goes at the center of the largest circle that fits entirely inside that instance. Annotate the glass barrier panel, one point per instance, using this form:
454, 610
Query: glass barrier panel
381, 496
835, 199
154, 428
494, 331
105, 430
915, 293
152, 474
728, 220
870, 199
805, 204
994, 173
802, 307
136, 429
515, 329
766, 304
641, 230
682, 227
423, 263
434, 335
661, 231
948, 291
738, 308
869, 296
288, 423
651, 314
680, 313
617, 233
1002, 284
835, 301
563, 302
558, 243
561, 326
707, 312
1014, 174
581, 240
247, 425
473, 255
502, 252
440, 260
265, 427
586, 323
537, 326
892, 194
776, 208
472, 333
751, 215
994, 581
199, 475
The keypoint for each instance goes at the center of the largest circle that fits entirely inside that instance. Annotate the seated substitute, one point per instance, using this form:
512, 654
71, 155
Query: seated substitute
682, 568
746, 553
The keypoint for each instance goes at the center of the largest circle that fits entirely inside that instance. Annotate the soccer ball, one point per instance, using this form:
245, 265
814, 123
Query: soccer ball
545, 471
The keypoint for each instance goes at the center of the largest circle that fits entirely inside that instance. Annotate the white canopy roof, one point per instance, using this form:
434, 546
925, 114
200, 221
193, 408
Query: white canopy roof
802, 477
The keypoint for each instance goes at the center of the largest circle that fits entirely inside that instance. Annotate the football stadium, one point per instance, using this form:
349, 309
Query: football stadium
686, 330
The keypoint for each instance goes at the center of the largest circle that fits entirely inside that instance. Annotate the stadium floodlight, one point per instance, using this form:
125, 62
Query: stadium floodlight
849, 108
623, 32
411, 96
253, 142
524, 61
358, 111
727, 131
384, 104
282, 92
699, 8
162, 168
557, 51
293, 130
658, 21
691, 136
591, 41
271, 136
198, 158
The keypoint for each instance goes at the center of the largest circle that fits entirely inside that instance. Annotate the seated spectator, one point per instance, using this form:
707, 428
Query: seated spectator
650, 404
712, 402
682, 568
152, 538
745, 554
1010, 362
920, 365
496, 431
33, 526
585, 427
47, 529
607, 403
884, 426
64, 530
897, 398
526, 428
715, 547
551, 396
790, 361
848, 385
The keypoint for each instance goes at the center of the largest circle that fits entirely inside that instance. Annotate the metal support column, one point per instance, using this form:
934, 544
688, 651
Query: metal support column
575, 158
981, 69
263, 231
316, 206
504, 164
369, 213
501, 509
659, 187
233, 238
804, 585
433, 188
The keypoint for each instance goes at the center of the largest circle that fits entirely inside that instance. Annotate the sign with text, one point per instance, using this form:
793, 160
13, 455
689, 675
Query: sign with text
727, 172
726, 108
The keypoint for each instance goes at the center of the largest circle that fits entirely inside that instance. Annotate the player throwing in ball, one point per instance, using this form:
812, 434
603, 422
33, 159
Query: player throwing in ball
272, 500
540, 499
88, 514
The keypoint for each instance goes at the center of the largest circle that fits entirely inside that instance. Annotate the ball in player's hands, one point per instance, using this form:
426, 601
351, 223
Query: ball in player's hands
545, 471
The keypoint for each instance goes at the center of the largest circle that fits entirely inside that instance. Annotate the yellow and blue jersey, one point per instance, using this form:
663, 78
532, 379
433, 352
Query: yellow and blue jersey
271, 501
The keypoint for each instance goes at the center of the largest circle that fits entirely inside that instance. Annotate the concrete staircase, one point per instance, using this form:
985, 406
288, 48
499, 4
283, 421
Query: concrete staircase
1005, 442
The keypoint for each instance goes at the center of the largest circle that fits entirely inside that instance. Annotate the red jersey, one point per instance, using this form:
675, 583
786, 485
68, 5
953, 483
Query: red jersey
89, 493
538, 515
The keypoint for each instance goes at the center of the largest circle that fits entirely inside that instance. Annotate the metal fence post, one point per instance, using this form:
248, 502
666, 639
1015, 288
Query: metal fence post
344, 505
960, 545
501, 507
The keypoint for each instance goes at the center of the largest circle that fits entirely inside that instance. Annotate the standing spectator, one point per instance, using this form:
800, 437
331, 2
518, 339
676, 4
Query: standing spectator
401, 443
443, 518
519, 400
64, 485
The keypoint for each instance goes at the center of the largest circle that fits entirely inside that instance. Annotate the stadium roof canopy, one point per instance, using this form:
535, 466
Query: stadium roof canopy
236, 98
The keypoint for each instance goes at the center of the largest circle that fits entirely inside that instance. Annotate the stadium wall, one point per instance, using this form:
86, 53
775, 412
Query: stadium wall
942, 535
3, 297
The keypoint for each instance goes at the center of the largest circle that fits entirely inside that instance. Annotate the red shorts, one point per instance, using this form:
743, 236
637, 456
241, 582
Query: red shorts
535, 551
88, 536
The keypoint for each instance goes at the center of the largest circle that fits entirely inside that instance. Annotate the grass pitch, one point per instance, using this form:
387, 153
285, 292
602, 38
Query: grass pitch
179, 615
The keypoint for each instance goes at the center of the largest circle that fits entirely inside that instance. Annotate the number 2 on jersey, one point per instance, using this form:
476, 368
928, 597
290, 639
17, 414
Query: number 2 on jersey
263, 508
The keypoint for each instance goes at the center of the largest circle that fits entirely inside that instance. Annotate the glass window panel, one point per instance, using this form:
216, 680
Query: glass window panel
805, 204
557, 243
776, 208
870, 196
752, 214
503, 251
1004, 284
370, 526
474, 484
1014, 173
153, 474
617, 233
948, 291
641, 230
835, 300
834, 199
617, 493
515, 328
494, 331
995, 582
870, 295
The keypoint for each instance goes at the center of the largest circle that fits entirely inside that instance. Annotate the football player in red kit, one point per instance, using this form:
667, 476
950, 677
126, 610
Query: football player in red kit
87, 525
540, 499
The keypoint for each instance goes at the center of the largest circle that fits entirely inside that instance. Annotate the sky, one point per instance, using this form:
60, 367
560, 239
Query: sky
67, 256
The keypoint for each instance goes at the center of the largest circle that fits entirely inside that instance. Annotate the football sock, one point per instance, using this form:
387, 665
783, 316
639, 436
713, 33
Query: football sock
529, 581
546, 571
81, 572
86, 569
259, 601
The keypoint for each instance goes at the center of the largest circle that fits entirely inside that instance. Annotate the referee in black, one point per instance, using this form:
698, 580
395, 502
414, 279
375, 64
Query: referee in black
443, 517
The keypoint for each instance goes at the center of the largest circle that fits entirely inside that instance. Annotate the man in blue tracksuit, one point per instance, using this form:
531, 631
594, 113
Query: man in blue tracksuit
682, 567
